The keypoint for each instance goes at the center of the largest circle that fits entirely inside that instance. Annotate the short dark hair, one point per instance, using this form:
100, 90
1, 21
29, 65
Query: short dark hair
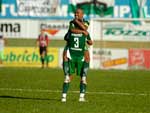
80, 10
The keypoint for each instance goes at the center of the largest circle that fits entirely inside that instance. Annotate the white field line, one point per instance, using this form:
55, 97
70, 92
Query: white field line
58, 91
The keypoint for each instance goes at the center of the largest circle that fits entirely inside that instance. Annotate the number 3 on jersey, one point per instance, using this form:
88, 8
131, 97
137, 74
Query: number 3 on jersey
76, 44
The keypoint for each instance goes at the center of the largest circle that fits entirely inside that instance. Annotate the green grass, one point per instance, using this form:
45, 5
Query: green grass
97, 44
114, 91
32, 42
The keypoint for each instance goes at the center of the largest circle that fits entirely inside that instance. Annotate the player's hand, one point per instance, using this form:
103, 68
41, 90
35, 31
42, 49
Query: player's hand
75, 20
89, 42
85, 33
76, 17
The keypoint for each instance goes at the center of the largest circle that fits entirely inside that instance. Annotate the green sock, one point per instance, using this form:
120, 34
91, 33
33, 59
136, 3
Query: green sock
82, 87
85, 68
66, 68
42, 60
65, 87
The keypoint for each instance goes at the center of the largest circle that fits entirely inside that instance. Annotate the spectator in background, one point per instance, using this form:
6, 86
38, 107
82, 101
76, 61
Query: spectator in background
42, 42
2, 45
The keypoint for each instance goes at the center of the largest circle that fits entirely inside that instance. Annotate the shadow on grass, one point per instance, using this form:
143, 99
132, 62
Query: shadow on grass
26, 98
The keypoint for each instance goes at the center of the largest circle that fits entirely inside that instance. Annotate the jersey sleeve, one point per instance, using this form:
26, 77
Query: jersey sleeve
47, 39
88, 37
86, 23
38, 38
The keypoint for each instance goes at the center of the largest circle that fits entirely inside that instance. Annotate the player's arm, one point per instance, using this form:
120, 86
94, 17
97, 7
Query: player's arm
81, 24
89, 40
47, 40
76, 30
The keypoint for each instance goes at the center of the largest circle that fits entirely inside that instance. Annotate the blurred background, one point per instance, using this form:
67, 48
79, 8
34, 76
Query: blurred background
120, 30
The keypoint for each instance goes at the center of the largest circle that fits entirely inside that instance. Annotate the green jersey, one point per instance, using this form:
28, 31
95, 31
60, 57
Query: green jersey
76, 45
77, 42
74, 25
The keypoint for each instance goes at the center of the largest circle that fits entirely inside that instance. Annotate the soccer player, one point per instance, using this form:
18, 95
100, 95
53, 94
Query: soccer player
78, 50
77, 26
2, 45
42, 42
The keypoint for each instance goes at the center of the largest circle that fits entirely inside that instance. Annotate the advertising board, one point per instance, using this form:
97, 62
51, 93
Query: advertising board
28, 57
139, 59
110, 58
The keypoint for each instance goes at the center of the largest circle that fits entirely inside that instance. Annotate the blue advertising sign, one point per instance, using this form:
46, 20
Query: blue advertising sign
34, 9
132, 8
60, 9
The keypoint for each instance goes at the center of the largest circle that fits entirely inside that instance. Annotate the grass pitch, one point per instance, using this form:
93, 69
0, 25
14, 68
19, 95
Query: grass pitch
35, 90
97, 44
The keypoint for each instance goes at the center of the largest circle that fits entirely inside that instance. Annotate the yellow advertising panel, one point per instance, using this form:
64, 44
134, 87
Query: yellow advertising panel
28, 57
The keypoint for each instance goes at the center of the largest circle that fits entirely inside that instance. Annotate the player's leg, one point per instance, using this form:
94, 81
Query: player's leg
83, 85
86, 62
67, 81
65, 88
42, 54
66, 73
85, 69
65, 62
83, 82
87, 56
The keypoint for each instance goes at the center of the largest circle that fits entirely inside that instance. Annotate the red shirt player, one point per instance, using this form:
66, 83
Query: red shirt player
43, 42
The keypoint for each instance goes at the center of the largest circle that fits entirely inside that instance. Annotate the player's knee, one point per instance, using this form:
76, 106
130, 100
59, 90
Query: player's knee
65, 59
67, 79
65, 56
71, 77
43, 53
87, 59
83, 80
